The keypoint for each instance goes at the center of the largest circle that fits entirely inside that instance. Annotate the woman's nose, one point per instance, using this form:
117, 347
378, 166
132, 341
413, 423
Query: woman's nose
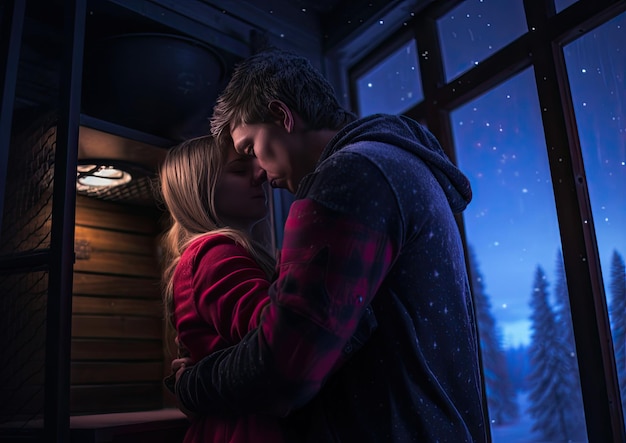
258, 174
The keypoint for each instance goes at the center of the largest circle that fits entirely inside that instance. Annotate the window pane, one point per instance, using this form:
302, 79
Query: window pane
476, 29
393, 86
562, 4
596, 67
517, 273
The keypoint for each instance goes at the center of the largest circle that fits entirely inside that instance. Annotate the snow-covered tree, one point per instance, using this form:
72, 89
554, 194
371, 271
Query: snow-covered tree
550, 388
617, 311
564, 326
501, 396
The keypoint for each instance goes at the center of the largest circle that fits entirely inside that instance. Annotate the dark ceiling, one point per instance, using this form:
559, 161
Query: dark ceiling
233, 29
152, 68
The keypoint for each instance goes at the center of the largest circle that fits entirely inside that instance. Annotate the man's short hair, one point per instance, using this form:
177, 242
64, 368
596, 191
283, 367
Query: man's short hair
275, 74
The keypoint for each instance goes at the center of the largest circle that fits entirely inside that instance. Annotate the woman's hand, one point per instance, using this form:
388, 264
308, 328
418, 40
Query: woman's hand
179, 365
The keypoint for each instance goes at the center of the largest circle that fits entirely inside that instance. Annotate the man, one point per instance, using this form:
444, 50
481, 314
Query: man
370, 334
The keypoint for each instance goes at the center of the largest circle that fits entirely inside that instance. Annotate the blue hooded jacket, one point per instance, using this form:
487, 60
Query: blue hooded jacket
418, 376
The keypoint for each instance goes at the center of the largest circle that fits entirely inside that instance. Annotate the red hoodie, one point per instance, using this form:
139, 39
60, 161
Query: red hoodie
220, 293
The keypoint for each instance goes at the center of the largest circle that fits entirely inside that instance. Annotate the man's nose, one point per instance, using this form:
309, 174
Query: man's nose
258, 173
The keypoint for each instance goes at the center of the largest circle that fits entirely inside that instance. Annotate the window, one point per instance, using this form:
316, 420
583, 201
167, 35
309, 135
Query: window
519, 285
498, 122
392, 86
562, 4
596, 67
476, 29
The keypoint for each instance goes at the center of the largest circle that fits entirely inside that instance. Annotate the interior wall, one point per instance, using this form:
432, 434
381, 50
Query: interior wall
118, 355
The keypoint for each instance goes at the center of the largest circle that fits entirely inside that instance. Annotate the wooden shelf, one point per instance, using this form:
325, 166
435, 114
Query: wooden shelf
163, 425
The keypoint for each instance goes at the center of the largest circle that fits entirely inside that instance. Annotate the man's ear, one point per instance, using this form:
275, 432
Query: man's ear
281, 114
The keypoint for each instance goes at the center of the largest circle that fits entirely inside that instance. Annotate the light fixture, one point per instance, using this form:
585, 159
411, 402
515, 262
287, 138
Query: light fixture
93, 175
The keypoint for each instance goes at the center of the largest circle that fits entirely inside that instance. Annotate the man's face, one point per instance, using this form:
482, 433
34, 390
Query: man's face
280, 153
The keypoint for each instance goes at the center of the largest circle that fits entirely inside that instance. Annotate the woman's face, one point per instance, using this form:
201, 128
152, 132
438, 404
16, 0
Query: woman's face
240, 198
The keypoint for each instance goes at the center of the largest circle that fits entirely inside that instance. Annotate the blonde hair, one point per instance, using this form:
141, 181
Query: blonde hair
187, 181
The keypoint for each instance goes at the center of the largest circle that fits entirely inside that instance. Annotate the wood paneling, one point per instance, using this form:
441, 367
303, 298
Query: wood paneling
120, 286
130, 243
116, 217
95, 326
92, 373
119, 264
118, 359
97, 349
115, 305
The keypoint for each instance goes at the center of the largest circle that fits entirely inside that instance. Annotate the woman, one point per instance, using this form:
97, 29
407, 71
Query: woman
216, 276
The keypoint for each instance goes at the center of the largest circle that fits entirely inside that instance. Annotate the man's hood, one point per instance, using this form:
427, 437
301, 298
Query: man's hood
411, 136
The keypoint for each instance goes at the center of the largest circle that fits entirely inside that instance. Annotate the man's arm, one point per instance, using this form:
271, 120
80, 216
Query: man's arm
330, 267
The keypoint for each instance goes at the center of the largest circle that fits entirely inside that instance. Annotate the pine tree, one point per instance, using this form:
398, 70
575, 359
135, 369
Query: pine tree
549, 395
519, 366
575, 411
617, 311
501, 396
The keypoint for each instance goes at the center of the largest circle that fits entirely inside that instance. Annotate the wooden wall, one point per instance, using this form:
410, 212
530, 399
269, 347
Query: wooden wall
118, 357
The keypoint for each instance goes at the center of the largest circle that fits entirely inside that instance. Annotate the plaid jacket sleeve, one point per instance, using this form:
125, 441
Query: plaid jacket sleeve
330, 267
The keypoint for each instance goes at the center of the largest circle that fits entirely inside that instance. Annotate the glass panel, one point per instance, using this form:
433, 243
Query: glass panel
596, 66
26, 218
26, 222
392, 86
476, 29
23, 304
516, 268
562, 4
27, 210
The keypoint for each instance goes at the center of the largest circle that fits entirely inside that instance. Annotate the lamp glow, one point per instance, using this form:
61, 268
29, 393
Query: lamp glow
100, 176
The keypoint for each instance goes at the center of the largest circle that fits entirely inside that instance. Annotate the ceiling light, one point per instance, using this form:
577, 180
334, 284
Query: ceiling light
100, 176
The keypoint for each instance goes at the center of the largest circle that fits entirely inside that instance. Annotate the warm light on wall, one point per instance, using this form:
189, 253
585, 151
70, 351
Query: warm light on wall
91, 176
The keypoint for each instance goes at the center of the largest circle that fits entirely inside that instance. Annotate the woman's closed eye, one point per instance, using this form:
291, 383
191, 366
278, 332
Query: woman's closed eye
241, 165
